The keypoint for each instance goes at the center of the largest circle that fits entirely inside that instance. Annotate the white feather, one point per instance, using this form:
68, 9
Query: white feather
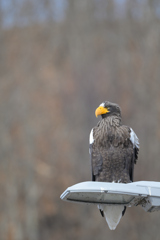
134, 139
91, 139
102, 104
112, 213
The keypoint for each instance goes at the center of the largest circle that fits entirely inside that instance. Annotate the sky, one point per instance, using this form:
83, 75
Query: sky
16, 12
12, 15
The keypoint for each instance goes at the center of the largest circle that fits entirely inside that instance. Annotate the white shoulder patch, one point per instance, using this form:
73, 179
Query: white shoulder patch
134, 139
91, 139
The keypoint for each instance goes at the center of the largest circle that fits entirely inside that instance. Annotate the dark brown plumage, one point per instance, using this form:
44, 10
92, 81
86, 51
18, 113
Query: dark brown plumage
113, 147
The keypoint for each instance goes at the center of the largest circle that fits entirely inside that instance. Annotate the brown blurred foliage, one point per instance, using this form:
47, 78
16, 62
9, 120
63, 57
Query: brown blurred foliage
53, 76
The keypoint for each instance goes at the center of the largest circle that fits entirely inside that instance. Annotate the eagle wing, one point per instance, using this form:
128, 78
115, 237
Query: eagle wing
135, 141
100, 161
96, 158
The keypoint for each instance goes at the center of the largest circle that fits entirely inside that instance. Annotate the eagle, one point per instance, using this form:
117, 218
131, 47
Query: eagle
113, 149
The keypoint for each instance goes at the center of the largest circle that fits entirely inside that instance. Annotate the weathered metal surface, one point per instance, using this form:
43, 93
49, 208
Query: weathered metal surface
143, 193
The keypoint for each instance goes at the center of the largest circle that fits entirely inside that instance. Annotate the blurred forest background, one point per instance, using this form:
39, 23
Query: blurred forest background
59, 59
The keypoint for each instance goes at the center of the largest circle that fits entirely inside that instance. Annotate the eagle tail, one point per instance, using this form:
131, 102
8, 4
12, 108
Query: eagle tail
112, 214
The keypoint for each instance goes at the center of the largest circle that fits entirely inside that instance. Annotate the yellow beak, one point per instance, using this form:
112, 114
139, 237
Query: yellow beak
101, 110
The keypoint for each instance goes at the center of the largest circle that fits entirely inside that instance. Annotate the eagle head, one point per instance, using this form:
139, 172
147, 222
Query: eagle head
106, 109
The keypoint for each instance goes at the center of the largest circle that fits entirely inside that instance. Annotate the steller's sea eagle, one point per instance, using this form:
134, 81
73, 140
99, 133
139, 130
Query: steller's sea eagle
114, 151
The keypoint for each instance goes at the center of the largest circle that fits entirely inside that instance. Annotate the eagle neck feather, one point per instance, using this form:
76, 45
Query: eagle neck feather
110, 131
111, 121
